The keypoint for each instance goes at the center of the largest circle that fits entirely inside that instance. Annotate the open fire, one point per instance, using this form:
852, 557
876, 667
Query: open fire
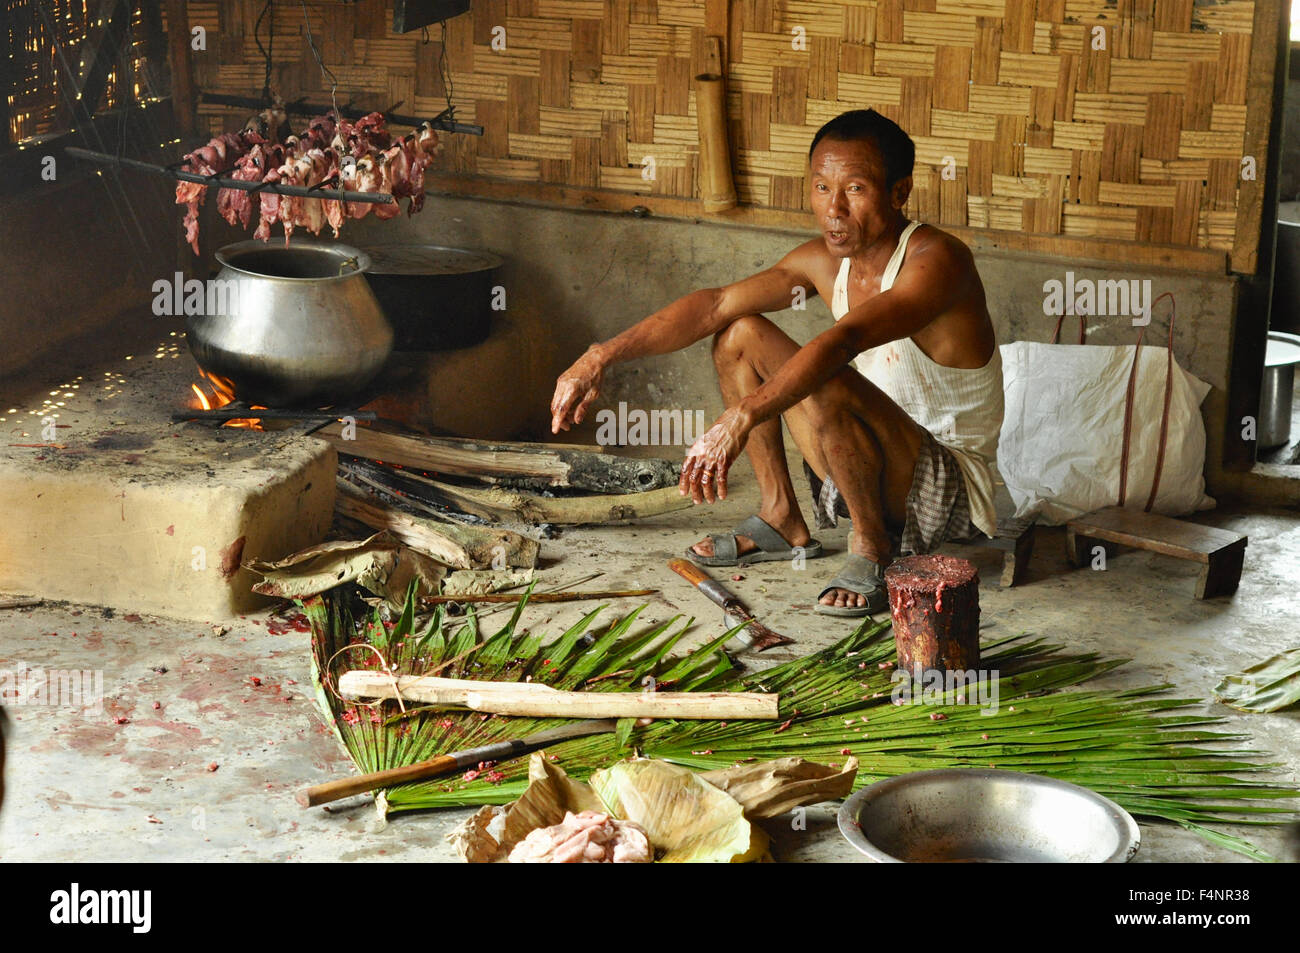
222, 393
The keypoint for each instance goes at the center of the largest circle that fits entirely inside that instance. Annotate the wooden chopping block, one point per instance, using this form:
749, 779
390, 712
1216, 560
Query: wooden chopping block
542, 701
935, 604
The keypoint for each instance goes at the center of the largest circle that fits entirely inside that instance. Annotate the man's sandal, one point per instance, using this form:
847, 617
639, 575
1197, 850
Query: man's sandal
772, 546
862, 576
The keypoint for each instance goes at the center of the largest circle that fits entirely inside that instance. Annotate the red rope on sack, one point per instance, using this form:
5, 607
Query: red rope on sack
1164, 414
1128, 420
1083, 331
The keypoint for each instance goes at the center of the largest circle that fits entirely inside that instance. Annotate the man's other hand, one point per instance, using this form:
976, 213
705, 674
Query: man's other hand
575, 389
709, 459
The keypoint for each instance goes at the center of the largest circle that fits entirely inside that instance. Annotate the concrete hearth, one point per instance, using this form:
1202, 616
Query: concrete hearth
125, 508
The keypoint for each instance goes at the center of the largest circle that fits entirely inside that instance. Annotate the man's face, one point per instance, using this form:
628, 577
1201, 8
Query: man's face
849, 198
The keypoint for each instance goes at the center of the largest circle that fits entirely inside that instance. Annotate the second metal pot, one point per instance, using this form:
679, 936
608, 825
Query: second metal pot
436, 298
1277, 389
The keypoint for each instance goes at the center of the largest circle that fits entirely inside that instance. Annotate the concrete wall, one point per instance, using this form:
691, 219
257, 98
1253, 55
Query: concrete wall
575, 277
1289, 168
66, 263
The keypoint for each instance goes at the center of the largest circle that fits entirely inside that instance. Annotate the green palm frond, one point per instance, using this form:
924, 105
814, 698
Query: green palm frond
1157, 756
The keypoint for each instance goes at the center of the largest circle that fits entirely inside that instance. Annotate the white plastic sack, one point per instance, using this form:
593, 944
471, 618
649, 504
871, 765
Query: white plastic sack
1063, 431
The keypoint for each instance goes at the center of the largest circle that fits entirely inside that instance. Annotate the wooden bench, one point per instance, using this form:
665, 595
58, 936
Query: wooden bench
1220, 551
1015, 540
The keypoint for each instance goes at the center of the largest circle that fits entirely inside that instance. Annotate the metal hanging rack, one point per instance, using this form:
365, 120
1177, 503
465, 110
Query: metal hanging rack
320, 190
445, 120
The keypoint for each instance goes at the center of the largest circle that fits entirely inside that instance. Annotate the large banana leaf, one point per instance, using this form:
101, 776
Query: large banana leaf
1154, 755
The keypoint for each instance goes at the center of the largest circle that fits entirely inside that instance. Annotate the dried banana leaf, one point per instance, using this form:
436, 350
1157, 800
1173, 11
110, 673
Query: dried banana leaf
478, 582
550, 795
476, 838
684, 815
1271, 685
379, 564
770, 788
490, 834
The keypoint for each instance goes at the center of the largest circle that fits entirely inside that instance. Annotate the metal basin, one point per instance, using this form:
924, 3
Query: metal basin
295, 325
969, 815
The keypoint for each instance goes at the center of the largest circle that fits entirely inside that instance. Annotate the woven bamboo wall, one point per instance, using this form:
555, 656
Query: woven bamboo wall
1041, 133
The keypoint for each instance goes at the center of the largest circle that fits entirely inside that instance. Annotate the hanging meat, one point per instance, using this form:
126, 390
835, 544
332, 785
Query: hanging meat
213, 159
236, 206
330, 155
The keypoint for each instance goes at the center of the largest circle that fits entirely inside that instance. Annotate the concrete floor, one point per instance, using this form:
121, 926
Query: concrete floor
84, 786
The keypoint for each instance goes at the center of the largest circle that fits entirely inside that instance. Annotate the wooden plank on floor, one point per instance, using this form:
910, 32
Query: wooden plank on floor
1160, 534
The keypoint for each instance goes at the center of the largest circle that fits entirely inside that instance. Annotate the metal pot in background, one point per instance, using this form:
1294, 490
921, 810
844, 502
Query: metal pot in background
303, 329
1277, 389
436, 298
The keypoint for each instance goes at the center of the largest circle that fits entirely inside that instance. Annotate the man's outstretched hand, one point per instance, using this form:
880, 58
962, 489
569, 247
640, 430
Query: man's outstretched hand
575, 389
704, 473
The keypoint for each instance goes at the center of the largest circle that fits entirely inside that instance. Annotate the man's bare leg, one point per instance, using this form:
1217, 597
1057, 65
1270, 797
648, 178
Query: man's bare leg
852, 425
842, 430
734, 350
851, 455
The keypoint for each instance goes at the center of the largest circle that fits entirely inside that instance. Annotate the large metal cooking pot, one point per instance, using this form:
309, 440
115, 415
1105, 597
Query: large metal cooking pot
298, 324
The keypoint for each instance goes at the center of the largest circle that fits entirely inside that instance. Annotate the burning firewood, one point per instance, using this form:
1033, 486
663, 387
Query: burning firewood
495, 504
521, 465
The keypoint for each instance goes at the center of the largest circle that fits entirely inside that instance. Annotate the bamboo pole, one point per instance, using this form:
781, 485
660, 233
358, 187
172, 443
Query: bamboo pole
513, 597
306, 109
182, 67
542, 701
717, 190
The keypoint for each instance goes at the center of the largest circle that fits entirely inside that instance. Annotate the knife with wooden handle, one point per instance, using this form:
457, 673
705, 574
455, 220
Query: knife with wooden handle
755, 637
449, 763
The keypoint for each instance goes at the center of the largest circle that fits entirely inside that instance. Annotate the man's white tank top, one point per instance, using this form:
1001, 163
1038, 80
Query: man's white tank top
962, 407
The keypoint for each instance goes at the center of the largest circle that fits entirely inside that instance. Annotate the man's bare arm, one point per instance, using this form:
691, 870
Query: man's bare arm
691, 318
939, 278
704, 313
